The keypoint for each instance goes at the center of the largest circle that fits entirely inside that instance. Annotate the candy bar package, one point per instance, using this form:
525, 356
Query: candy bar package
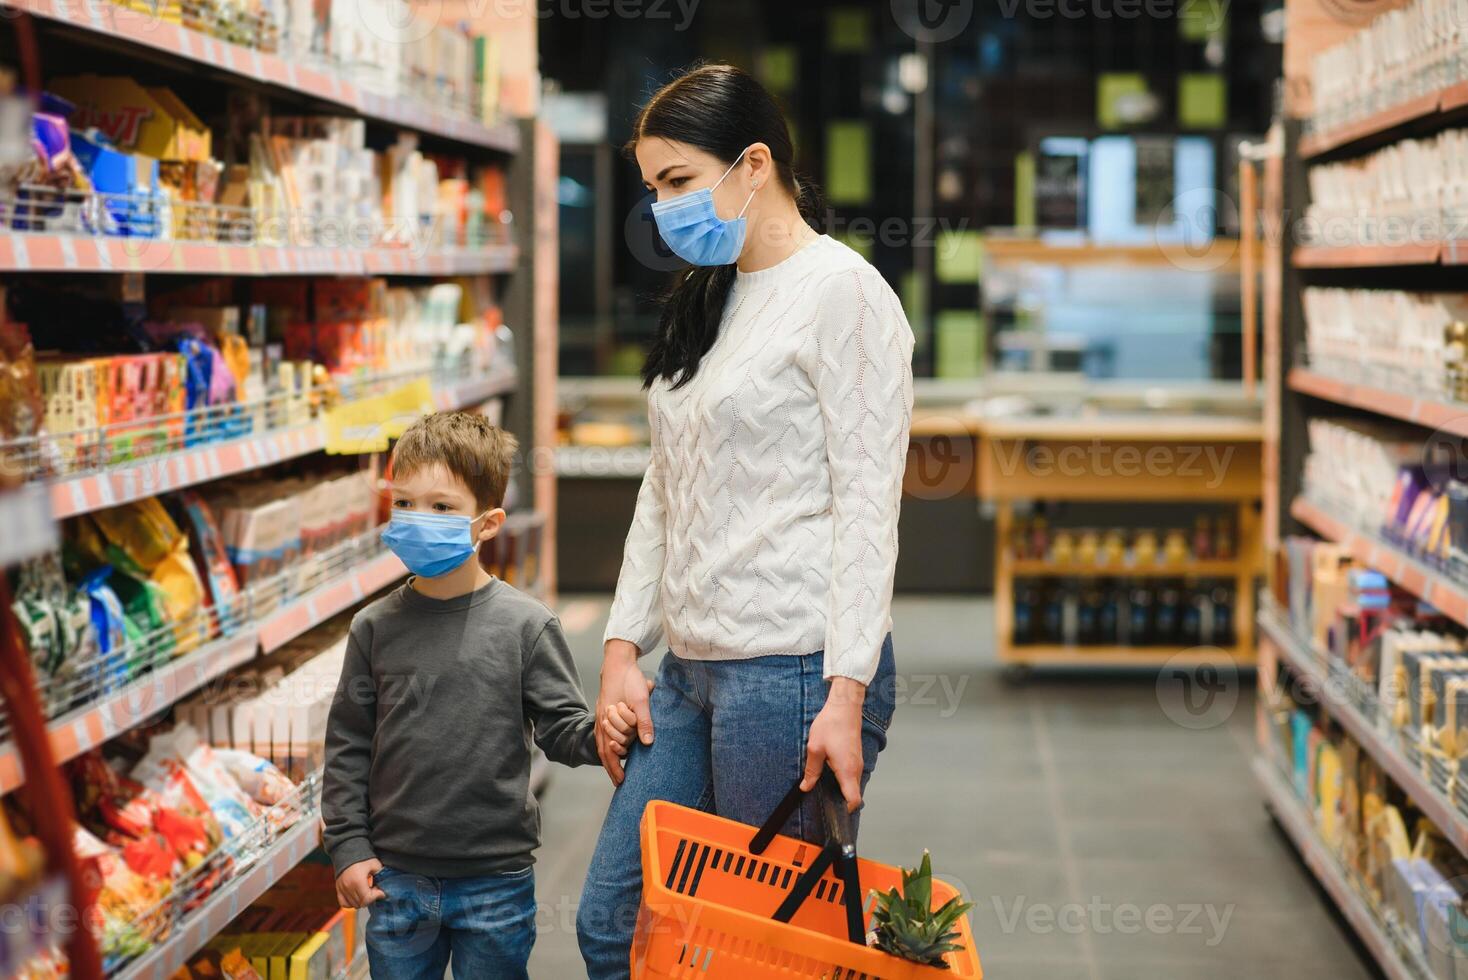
211, 558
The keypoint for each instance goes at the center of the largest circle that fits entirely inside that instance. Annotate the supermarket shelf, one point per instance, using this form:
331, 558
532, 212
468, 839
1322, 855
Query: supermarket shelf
498, 382
1039, 655
88, 727
95, 723
20, 941
1414, 576
1040, 567
320, 604
1367, 256
232, 897
47, 252
113, 22
160, 474
1305, 662
1395, 962
70, 496
1377, 124
30, 527
1443, 416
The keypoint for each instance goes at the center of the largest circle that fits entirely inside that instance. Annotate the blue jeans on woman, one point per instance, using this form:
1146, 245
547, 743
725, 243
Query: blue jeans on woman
485, 925
729, 737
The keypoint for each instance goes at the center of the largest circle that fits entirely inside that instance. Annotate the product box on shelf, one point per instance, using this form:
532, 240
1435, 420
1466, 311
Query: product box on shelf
152, 121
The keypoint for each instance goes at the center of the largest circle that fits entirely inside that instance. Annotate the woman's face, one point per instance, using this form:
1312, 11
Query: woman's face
670, 169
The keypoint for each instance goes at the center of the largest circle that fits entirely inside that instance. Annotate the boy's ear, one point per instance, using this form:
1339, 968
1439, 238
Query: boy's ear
493, 521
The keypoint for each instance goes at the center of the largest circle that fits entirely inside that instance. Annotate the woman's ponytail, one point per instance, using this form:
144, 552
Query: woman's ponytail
720, 110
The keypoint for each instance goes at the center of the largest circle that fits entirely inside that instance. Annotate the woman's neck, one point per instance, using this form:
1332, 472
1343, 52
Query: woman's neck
775, 237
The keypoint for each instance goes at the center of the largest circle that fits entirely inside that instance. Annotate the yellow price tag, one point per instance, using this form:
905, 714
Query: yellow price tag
369, 424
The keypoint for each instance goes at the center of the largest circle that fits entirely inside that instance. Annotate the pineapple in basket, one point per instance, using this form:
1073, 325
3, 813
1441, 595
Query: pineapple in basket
907, 925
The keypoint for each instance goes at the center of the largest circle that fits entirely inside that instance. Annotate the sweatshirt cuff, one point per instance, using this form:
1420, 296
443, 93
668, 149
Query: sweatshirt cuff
351, 851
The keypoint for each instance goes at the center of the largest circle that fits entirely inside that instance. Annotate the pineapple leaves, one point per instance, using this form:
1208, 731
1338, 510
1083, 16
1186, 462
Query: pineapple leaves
907, 925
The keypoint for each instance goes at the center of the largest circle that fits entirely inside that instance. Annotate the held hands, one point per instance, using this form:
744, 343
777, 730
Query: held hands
621, 707
835, 740
355, 888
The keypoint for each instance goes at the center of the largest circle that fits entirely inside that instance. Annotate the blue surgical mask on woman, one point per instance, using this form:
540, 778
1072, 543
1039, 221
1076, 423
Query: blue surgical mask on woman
694, 230
429, 544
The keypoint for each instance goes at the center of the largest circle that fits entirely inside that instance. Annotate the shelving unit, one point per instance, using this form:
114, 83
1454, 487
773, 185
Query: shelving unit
46, 252
139, 30
152, 475
1441, 416
1311, 666
1297, 390
272, 612
1018, 460
1395, 961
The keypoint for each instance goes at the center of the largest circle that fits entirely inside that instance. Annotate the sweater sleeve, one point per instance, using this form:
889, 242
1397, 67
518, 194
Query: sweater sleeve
565, 729
862, 367
349, 730
636, 614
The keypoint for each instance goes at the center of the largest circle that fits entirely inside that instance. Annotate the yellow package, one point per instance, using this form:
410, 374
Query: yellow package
183, 596
142, 531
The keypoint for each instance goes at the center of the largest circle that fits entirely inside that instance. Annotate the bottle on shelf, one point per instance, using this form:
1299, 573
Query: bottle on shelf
1223, 617
1175, 548
1109, 621
1113, 549
1139, 616
1166, 615
1039, 537
1070, 614
1063, 548
1203, 538
1223, 540
1088, 548
1088, 626
1144, 548
1026, 613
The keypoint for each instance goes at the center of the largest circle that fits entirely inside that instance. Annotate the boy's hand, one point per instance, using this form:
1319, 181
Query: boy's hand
619, 725
355, 888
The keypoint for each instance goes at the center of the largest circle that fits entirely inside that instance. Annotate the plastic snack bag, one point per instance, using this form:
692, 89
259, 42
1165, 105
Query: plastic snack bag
260, 778
109, 625
207, 547
142, 531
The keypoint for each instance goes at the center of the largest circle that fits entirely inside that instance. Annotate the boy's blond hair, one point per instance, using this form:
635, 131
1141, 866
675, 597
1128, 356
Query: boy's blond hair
468, 446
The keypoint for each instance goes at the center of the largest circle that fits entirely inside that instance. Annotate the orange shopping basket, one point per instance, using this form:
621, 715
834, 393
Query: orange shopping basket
722, 901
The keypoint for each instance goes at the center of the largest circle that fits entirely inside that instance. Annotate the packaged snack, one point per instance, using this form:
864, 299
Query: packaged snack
258, 777
109, 625
207, 784
124, 897
183, 596
142, 531
151, 856
210, 557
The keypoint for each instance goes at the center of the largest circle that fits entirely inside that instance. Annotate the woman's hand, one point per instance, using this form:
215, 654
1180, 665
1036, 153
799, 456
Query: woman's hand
621, 681
835, 740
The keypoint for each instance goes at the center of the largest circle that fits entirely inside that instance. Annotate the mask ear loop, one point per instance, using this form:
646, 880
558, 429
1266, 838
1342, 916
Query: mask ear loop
726, 174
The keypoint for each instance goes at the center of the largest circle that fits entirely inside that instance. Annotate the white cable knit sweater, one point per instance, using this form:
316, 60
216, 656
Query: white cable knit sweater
767, 521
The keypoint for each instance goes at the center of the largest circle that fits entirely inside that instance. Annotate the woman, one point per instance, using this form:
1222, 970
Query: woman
779, 395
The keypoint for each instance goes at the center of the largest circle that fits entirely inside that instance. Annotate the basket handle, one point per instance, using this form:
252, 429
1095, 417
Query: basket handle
840, 850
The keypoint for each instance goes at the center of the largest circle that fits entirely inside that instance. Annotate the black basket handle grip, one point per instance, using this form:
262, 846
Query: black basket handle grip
839, 850
834, 815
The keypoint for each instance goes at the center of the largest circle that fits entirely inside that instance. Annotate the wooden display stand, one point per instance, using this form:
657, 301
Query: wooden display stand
1112, 459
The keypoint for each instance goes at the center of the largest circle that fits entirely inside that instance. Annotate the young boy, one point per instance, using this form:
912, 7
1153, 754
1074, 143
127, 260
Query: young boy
427, 804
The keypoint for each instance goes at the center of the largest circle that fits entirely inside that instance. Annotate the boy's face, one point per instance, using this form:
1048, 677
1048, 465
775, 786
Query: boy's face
432, 489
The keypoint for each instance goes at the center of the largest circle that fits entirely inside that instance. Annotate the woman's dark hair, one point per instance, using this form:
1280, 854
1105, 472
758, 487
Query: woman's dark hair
721, 110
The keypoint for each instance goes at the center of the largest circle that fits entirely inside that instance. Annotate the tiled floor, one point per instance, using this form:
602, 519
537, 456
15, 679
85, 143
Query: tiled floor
1099, 839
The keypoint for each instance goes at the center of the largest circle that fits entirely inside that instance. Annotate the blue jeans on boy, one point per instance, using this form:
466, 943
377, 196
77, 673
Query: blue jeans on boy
484, 924
729, 737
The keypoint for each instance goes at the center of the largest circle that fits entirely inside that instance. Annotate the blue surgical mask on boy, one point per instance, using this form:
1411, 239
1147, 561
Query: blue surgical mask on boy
430, 544
694, 230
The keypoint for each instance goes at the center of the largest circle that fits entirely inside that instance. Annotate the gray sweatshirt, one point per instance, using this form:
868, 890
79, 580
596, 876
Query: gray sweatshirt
428, 742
